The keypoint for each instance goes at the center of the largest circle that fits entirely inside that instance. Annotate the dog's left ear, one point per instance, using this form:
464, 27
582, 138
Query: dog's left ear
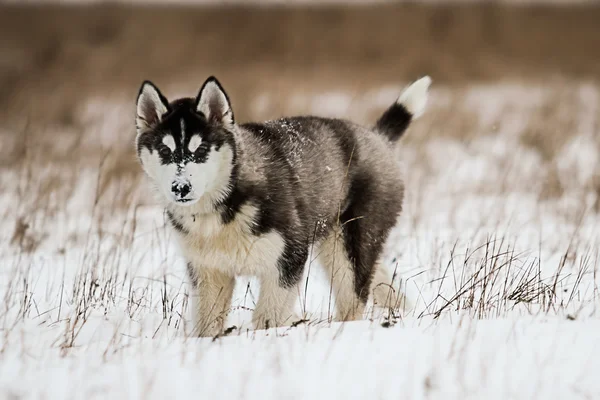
212, 101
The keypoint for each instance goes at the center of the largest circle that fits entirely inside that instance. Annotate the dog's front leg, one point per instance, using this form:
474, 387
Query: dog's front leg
210, 299
276, 304
279, 290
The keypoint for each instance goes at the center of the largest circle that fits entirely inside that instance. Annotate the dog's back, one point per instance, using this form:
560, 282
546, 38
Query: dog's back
312, 170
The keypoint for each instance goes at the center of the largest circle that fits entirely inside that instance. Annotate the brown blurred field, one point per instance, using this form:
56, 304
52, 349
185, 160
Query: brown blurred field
54, 57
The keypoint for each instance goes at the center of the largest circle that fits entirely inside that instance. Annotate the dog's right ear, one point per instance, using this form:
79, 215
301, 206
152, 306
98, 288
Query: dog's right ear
151, 106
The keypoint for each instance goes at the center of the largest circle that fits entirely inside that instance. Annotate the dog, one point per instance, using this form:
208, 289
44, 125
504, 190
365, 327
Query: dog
255, 199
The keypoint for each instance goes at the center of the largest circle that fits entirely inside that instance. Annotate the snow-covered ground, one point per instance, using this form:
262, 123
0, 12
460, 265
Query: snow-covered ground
498, 251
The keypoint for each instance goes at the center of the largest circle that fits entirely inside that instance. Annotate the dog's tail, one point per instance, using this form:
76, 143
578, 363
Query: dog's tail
409, 106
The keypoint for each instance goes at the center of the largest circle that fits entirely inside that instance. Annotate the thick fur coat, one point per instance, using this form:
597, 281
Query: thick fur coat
257, 198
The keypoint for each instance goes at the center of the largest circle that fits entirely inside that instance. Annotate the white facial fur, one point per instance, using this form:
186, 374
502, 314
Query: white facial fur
162, 175
212, 176
195, 142
169, 142
208, 179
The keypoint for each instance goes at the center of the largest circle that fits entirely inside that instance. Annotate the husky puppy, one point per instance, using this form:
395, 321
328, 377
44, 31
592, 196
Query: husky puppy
255, 198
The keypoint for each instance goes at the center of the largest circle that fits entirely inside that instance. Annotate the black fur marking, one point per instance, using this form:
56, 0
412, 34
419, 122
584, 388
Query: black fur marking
192, 274
274, 195
195, 123
345, 136
177, 225
394, 121
232, 205
291, 264
367, 222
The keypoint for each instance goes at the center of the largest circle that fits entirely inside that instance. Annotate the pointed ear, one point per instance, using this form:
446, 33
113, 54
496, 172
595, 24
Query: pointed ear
151, 106
212, 101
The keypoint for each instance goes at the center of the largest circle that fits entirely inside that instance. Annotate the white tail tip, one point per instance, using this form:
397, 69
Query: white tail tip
414, 97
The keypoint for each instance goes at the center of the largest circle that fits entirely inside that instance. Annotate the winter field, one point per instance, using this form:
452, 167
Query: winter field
498, 249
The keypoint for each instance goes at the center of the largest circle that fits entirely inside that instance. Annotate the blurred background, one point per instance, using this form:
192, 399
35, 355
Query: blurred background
501, 214
514, 105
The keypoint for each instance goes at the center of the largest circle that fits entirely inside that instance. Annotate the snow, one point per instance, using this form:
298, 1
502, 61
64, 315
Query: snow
487, 359
504, 283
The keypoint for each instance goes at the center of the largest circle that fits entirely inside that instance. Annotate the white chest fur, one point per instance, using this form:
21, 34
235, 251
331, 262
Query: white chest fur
232, 247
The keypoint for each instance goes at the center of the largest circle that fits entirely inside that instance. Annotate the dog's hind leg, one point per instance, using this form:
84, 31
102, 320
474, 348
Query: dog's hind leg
353, 250
341, 272
388, 290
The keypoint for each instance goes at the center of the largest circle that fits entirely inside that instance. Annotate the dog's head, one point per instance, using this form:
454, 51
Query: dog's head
187, 146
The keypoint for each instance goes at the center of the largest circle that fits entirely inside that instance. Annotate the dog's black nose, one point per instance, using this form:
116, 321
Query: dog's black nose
181, 189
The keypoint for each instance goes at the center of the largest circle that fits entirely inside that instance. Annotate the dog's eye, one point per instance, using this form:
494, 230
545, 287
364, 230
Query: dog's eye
200, 150
164, 151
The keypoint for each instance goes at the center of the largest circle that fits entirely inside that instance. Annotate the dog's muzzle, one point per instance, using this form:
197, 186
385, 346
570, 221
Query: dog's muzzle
180, 190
